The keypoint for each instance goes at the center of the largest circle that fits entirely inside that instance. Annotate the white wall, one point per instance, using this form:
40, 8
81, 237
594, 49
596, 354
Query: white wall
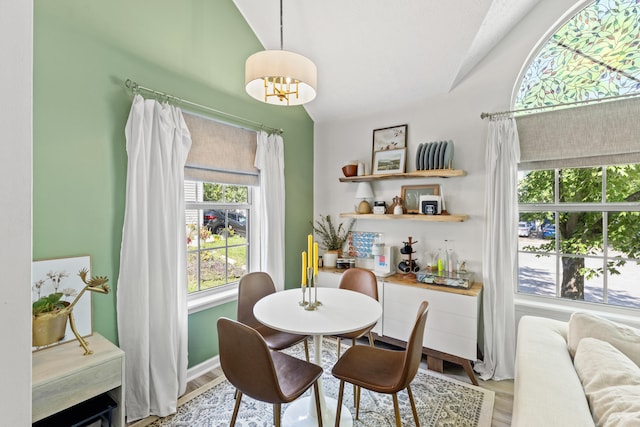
16, 40
456, 116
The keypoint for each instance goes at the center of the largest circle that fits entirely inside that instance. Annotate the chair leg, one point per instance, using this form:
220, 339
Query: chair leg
276, 414
353, 343
396, 409
371, 340
338, 341
413, 406
339, 405
306, 349
235, 408
316, 389
359, 389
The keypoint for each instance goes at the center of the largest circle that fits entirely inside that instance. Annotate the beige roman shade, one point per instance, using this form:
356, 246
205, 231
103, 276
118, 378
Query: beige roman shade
220, 152
605, 133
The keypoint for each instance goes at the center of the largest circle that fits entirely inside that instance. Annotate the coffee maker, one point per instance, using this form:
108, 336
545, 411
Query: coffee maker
383, 260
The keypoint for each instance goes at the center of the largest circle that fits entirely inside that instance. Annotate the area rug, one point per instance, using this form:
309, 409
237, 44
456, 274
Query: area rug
440, 401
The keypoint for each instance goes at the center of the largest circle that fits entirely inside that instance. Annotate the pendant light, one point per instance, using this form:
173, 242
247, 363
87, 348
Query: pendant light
280, 77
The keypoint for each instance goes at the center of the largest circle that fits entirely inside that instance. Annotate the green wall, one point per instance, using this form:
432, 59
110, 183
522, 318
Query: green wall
83, 52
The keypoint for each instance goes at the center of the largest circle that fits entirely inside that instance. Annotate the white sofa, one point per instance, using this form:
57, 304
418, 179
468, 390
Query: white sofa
599, 386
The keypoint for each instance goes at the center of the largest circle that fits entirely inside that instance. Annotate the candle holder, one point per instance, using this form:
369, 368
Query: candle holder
312, 304
304, 293
315, 291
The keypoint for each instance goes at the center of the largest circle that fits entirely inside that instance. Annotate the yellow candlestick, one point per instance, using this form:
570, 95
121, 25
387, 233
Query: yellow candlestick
315, 259
310, 249
304, 268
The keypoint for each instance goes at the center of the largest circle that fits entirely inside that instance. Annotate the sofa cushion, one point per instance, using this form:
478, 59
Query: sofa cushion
547, 390
611, 382
624, 338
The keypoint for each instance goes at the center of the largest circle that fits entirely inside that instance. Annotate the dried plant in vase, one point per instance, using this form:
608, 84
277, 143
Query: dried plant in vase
331, 238
50, 313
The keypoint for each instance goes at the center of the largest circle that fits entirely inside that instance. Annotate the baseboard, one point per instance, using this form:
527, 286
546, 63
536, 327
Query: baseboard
202, 368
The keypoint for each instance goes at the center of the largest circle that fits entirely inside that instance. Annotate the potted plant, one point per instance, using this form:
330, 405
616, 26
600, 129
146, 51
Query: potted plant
50, 313
332, 239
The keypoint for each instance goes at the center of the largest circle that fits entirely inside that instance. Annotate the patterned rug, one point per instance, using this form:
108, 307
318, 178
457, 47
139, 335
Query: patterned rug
440, 401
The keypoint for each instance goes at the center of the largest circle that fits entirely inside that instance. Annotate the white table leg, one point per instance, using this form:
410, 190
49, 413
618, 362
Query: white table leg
302, 412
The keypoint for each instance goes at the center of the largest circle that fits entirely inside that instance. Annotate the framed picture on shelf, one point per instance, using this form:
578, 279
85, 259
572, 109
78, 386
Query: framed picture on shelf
391, 138
60, 275
411, 195
389, 161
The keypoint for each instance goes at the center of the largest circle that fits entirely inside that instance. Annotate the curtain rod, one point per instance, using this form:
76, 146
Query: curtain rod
548, 107
135, 87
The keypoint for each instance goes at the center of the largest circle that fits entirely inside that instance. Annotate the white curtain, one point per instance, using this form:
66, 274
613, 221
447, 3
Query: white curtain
152, 284
270, 162
499, 263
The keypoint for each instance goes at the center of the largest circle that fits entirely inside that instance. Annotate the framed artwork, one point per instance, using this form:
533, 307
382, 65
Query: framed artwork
391, 138
389, 161
411, 195
61, 275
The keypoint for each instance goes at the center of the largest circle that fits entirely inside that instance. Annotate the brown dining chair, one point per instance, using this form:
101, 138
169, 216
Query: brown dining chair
381, 370
263, 374
253, 287
363, 281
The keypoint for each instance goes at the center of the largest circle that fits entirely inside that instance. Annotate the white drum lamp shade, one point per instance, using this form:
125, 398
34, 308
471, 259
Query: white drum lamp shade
280, 77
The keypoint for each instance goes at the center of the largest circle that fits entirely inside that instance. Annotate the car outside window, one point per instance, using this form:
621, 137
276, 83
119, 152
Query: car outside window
218, 235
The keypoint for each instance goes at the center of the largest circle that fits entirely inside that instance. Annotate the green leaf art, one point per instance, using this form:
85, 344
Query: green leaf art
593, 55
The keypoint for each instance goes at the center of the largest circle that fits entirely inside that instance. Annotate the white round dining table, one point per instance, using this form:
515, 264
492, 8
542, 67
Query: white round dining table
341, 311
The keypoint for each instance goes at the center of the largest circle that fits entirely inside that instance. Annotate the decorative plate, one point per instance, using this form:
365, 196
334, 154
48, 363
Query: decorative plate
448, 155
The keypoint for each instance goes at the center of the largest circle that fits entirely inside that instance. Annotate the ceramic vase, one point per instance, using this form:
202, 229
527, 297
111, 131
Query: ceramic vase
329, 259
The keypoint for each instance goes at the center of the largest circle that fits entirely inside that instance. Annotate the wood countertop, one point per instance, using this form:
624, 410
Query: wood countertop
402, 279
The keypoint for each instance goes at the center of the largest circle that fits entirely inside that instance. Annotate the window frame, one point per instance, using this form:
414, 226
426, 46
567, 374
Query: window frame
208, 298
557, 207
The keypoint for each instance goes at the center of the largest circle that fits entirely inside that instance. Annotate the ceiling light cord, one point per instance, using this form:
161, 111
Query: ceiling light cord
281, 29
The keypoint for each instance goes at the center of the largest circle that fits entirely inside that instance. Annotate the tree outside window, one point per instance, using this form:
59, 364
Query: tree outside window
585, 239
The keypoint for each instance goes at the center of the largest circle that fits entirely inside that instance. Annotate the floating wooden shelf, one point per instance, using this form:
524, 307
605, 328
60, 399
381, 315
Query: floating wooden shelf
416, 217
431, 173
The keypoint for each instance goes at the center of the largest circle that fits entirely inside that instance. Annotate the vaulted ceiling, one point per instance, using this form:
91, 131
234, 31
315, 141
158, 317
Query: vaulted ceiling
372, 55
379, 55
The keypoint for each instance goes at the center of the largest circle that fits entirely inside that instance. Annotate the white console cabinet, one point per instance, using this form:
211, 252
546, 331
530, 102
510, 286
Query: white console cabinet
451, 331
63, 377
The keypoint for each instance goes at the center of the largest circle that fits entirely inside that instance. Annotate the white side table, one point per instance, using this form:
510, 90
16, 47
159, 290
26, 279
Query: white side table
63, 377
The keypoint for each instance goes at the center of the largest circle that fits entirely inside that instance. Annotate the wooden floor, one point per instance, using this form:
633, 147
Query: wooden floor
502, 408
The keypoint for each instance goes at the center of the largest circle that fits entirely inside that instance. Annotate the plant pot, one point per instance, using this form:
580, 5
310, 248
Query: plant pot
329, 259
48, 328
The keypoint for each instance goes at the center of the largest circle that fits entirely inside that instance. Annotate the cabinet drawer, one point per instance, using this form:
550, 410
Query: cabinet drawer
66, 391
328, 280
456, 345
452, 322
443, 301
444, 322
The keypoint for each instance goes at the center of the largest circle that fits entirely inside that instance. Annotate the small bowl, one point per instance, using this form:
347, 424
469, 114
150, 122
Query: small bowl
350, 170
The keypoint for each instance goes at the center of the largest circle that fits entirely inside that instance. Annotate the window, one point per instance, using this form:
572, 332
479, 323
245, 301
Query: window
593, 55
218, 234
221, 185
583, 241
579, 221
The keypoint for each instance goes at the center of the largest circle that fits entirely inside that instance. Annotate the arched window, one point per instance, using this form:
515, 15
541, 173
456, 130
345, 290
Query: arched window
595, 54
579, 180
